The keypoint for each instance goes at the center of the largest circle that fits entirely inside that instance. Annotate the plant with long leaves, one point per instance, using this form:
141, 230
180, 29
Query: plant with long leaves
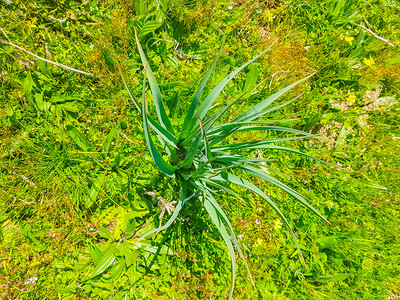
202, 165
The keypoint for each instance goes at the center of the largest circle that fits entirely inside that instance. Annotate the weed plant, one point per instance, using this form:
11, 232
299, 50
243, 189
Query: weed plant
75, 174
200, 163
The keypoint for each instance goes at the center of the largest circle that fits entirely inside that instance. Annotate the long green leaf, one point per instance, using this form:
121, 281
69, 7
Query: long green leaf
239, 127
262, 144
284, 187
162, 132
216, 218
254, 112
230, 178
206, 144
223, 135
155, 90
191, 112
135, 102
224, 188
209, 101
228, 224
234, 158
95, 190
249, 126
166, 168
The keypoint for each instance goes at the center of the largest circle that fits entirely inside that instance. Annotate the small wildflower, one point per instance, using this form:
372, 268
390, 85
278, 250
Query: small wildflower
349, 39
31, 280
259, 242
19, 282
277, 224
230, 7
351, 98
268, 16
330, 204
346, 38
368, 61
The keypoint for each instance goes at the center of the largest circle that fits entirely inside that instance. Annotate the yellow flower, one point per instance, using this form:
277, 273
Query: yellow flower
351, 98
268, 16
348, 39
369, 61
277, 224
259, 242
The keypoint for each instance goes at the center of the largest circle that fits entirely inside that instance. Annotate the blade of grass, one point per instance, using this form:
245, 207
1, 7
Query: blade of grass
155, 89
193, 105
166, 168
166, 135
216, 218
262, 113
255, 111
262, 144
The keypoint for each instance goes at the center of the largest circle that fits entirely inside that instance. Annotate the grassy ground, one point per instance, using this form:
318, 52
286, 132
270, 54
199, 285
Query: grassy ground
75, 168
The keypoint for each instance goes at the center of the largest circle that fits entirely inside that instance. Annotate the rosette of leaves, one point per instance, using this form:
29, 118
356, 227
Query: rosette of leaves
202, 163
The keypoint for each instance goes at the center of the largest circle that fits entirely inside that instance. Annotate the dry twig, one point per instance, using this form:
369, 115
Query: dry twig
41, 58
374, 34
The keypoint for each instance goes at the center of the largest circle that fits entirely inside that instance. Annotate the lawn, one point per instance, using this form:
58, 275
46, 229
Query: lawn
81, 183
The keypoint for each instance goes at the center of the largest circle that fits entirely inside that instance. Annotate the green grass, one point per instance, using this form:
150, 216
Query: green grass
74, 167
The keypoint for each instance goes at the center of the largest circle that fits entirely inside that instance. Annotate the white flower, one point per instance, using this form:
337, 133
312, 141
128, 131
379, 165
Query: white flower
31, 280
230, 7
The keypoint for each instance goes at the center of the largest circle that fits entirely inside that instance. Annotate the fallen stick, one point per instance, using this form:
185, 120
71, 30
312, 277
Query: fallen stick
43, 59
374, 34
